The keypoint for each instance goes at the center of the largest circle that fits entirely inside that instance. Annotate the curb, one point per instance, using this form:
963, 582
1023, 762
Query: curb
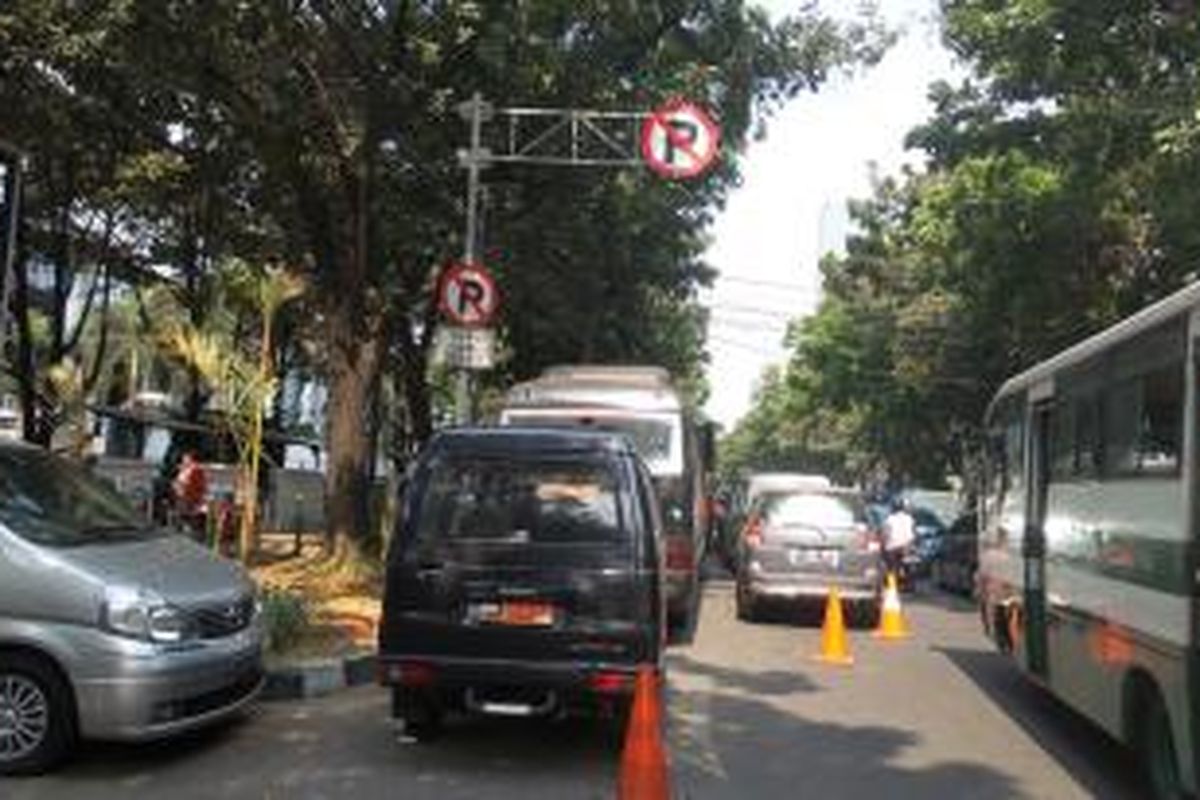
317, 678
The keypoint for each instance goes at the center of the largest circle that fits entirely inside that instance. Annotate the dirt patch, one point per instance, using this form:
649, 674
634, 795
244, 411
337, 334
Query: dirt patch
342, 598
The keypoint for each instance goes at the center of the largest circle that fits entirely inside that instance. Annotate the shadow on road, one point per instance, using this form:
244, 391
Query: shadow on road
721, 746
344, 746
1091, 757
713, 574
940, 599
771, 683
97, 759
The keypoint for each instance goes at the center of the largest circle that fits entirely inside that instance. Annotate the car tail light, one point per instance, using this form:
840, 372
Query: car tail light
680, 554
610, 683
412, 674
752, 534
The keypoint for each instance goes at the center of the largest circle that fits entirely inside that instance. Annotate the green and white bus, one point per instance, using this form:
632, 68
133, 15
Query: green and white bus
1088, 569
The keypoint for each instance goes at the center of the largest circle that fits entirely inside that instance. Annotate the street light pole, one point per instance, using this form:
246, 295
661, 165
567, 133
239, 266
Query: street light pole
473, 160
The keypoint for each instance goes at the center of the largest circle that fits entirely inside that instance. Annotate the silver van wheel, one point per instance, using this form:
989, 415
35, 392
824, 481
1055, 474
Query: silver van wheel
24, 717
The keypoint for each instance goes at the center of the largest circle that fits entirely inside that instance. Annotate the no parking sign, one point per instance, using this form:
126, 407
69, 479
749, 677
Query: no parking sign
467, 295
680, 140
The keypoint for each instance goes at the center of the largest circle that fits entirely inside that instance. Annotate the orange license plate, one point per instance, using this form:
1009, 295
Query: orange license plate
525, 612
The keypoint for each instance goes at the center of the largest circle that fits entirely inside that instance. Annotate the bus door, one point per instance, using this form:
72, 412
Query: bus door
1034, 544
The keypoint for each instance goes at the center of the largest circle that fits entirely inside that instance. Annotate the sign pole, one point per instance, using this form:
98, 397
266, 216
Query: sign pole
474, 160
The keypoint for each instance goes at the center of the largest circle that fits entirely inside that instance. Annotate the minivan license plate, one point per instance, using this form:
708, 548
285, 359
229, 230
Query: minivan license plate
524, 613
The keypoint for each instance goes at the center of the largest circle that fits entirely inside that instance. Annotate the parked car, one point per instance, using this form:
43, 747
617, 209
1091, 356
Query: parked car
526, 578
954, 568
930, 534
728, 546
797, 544
109, 628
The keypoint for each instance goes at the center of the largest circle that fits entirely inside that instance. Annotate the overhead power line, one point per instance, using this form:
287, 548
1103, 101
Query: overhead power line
734, 308
749, 347
776, 329
791, 287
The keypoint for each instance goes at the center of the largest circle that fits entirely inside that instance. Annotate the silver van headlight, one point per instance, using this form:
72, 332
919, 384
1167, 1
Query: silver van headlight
144, 615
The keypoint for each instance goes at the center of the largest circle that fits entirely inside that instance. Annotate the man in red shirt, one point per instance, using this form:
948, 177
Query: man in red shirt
191, 493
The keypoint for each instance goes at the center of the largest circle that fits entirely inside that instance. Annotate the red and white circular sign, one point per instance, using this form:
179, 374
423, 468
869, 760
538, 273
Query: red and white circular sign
680, 140
467, 295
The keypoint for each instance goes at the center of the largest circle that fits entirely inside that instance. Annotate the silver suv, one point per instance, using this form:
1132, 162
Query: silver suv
109, 628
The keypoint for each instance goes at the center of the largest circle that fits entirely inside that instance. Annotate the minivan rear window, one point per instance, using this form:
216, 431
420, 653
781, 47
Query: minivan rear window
520, 501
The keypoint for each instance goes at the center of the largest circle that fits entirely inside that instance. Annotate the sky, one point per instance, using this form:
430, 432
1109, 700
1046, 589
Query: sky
790, 209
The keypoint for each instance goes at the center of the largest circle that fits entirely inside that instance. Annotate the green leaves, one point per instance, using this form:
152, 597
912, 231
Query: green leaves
1060, 183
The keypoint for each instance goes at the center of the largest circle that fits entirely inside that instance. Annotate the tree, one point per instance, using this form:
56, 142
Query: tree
241, 369
323, 134
1053, 203
349, 110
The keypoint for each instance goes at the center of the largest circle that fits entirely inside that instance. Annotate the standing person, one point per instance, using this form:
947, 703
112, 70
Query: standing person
899, 534
191, 493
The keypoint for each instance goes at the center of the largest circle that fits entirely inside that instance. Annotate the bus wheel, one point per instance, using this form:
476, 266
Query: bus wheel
1157, 750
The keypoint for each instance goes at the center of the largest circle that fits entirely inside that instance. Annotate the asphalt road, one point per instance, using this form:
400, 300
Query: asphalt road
752, 716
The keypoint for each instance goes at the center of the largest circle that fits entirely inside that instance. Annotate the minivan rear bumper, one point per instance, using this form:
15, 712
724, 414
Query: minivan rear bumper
464, 672
449, 681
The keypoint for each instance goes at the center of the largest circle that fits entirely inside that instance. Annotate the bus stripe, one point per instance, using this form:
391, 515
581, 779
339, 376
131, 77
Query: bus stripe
1162, 615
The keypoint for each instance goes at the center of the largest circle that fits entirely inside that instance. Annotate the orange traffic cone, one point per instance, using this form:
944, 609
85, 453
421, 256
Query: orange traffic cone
644, 773
835, 649
892, 624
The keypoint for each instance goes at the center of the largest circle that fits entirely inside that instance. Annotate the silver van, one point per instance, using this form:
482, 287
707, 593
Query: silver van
109, 628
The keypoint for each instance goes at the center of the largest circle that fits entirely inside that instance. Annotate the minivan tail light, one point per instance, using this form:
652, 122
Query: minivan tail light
411, 674
610, 683
680, 554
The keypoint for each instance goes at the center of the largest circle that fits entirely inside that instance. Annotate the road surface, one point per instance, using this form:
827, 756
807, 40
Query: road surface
752, 716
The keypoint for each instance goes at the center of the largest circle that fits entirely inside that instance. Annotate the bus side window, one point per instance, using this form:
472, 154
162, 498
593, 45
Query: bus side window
1062, 442
1120, 428
1088, 452
1160, 434
1143, 421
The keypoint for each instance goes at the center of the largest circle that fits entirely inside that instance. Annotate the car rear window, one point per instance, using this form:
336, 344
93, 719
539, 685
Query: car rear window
812, 510
520, 501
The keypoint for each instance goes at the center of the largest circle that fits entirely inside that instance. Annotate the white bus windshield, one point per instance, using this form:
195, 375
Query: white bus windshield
658, 438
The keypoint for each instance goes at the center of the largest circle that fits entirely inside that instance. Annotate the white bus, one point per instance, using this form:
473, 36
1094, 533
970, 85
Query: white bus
643, 404
1088, 561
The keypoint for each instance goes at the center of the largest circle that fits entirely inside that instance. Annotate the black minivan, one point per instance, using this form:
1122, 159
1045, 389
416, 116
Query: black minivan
525, 578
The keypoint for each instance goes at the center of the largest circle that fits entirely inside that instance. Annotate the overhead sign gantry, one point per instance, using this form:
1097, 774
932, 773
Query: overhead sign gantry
678, 140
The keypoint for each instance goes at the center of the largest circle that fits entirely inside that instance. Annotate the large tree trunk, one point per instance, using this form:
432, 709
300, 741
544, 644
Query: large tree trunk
33, 424
414, 384
354, 366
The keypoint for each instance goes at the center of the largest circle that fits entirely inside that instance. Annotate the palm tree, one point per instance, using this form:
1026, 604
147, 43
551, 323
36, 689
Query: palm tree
242, 377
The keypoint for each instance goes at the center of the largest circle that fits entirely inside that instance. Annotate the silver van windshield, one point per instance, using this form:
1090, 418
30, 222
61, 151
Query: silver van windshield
656, 437
52, 501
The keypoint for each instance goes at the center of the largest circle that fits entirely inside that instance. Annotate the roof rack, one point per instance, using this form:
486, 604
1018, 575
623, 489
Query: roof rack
630, 375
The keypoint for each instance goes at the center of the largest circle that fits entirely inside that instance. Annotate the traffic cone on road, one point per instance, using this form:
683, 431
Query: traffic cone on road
644, 772
835, 648
892, 624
